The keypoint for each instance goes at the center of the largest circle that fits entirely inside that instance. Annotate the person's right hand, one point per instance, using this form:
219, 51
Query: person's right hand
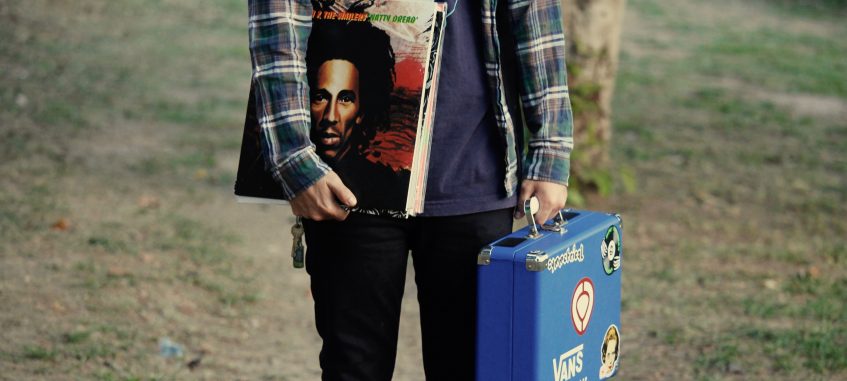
319, 202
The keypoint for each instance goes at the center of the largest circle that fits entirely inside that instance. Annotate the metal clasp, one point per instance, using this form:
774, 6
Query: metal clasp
558, 224
529, 208
620, 220
536, 260
484, 257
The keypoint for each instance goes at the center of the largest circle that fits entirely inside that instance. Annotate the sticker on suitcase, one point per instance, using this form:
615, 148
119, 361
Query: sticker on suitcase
610, 250
582, 305
571, 255
610, 352
568, 365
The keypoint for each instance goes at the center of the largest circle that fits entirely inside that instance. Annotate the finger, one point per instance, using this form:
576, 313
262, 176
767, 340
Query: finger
323, 210
544, 213
525, 194
337, 213
326, 207
340, 191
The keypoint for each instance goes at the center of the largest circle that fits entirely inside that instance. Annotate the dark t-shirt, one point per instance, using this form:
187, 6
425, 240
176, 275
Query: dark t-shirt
467, 161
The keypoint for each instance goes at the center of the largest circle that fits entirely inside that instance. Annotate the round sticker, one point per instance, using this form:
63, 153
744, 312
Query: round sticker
610, 250
582, 304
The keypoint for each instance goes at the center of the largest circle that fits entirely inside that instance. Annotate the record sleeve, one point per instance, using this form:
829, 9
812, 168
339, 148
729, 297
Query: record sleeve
373, 71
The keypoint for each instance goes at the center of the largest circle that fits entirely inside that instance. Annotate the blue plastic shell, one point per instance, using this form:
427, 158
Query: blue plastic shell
551, 324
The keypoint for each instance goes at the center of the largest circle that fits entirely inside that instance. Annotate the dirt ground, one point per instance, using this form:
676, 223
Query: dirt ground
119, 138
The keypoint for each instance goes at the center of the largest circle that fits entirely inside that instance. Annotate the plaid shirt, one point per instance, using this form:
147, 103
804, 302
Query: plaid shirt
279, 31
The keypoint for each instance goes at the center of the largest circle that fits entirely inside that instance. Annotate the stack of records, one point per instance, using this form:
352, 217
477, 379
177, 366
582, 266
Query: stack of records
372, 72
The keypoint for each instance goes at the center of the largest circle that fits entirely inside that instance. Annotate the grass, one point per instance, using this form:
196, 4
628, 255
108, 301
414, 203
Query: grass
818, 300
109, 376
31, 352
779, 60
780, 351
732, 191
187, 244
810, 8
99, 342
740, 191
819, 349
719, 358
76, 337
92, 71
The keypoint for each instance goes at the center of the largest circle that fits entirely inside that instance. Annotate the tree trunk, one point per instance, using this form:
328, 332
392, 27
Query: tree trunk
592, 29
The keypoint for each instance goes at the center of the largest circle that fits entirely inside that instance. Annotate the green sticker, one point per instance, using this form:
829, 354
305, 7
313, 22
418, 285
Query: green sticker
610, 250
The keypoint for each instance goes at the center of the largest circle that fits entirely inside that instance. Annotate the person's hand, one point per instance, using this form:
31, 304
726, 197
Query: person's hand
551, 198
319, 202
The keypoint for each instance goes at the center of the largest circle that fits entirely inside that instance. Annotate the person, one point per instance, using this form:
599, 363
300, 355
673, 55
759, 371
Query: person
335, 109
609, 352
350, 87
357, 262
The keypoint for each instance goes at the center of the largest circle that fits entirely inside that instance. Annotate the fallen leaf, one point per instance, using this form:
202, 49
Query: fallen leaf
146, 257
21, 100
58, 307
186, 309
205, 348
115, 271
771, 284
195, 362
201, 174
61, 224
735, 367
148, 202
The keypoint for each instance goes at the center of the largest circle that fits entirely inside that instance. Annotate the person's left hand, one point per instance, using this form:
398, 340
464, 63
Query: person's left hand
551, 199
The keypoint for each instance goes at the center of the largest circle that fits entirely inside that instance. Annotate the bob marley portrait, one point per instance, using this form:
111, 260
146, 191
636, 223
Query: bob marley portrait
350, 70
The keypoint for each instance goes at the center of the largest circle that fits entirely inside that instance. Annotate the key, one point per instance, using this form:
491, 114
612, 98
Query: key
297, 250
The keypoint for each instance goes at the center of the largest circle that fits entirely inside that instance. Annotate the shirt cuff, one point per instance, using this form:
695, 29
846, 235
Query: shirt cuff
546, 165
300, 172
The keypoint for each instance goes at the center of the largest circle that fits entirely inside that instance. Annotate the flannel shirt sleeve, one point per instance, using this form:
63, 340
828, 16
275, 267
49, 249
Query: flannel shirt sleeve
279, 32
540, 45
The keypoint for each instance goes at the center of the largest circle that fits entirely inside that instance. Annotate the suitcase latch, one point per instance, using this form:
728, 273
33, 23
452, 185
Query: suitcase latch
536, 260
484, 257
558, 224
530, 208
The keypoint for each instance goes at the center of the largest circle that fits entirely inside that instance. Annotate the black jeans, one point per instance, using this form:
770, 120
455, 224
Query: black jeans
358, 272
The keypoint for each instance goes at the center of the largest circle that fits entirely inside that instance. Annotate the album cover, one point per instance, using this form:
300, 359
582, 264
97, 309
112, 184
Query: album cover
372, 69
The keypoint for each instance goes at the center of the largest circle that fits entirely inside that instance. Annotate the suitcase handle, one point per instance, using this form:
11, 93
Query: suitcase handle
530, 207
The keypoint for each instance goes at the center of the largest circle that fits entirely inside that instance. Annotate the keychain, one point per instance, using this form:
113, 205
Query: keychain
297, 250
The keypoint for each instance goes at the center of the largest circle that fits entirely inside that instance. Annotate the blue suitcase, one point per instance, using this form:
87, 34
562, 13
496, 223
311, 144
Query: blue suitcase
549, 301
